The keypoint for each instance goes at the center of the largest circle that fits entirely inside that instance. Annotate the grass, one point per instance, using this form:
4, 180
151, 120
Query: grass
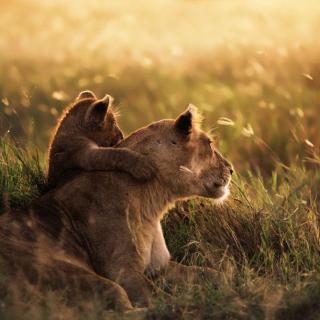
22, 177
263, 243
253, 70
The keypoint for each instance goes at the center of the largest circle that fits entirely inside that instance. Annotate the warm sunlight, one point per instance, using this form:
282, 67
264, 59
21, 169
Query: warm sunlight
85, 225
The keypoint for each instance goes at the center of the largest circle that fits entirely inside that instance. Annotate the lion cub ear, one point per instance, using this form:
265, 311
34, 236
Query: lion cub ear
184, 123
87, 94
97, 111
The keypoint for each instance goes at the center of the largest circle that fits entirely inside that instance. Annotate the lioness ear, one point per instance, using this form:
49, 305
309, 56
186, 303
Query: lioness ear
98, 110
184, 122
87, 94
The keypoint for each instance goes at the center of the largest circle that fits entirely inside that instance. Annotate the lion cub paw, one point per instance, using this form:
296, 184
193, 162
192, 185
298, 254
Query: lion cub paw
144, 169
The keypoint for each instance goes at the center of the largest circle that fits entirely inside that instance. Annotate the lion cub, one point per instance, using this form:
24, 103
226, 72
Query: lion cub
84, 139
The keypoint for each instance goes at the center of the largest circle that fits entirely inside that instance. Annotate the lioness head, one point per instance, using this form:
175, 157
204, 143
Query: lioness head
189, 164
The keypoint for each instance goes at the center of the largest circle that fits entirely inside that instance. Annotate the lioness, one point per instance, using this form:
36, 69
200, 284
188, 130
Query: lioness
84, 137
101, 230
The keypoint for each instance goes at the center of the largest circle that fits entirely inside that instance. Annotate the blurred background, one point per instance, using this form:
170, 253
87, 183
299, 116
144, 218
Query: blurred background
252, 68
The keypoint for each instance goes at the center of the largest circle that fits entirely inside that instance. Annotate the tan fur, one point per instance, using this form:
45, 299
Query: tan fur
84, 138
106, 225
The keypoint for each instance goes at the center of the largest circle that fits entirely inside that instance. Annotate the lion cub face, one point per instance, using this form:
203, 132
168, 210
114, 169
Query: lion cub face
189, 164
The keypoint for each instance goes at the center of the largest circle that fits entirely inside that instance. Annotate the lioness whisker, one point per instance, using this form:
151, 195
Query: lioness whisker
185, 169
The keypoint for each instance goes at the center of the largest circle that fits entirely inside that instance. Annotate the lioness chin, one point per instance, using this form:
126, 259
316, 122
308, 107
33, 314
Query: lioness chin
101, 230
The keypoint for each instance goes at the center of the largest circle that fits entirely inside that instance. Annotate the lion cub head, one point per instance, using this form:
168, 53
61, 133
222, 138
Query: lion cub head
88, 117
188, 163
98, 121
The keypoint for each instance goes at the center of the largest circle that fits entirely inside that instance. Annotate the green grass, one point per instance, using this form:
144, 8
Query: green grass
255, 64
21, 175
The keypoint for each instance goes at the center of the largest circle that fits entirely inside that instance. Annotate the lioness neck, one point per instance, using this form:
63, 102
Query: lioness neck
155, 199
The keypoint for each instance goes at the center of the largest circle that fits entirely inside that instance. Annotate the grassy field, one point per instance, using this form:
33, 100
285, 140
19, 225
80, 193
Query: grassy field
252, 68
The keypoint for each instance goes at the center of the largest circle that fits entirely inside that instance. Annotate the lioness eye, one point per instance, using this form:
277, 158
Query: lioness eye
173, 142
